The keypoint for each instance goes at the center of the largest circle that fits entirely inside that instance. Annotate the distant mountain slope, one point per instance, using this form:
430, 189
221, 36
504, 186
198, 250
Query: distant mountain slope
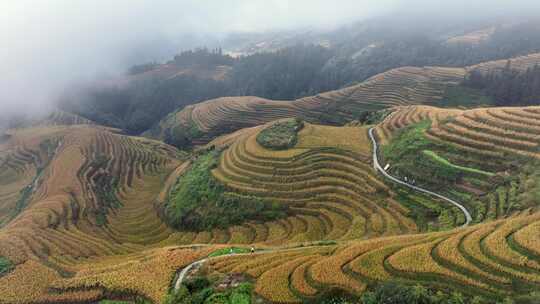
287, 66
53, 117
199, 123
521, 63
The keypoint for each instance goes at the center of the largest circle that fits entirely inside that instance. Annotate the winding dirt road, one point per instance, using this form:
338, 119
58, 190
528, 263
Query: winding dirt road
379, 168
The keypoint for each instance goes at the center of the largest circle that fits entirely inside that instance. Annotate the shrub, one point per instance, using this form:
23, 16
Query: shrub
199, 291
333, 296
227, 250
104, 185
398, 293
182, 136
197, 283
281, 135
5, 266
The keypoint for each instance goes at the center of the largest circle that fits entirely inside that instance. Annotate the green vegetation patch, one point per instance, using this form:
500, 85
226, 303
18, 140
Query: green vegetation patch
201, 290
404, 292
229, 250
463, 96
138, 300
400, 293
199, 202
446, 169
413, 156
374, 117
181, 136
445, 162
405, 158
5, 266
524, 191
105, 186
282, 135
427, 213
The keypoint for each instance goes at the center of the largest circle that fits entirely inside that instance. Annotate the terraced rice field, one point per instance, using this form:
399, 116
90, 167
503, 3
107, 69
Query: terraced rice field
64, 190
326, 180
483, 260
475, 37
67, 193
146, 274
404, 116
494, 130
521, 63
22, 155
61, 118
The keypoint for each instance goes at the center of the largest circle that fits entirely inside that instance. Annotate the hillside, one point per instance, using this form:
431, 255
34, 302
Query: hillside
67, 193
78, 199
495, 259
220, 116
311, 179
84, 209
199, 123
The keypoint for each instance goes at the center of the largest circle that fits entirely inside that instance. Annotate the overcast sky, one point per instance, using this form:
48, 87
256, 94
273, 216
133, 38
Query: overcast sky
47, 44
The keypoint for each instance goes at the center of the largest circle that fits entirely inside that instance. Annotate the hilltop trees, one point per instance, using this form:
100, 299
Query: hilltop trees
509, 87
202, 57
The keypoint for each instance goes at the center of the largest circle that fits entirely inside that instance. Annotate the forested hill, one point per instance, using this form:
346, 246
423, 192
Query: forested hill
349, 56
440, 86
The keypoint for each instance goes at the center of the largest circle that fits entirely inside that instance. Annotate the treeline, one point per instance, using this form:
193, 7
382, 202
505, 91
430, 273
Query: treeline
508, 87
141, 68
398, 293
140, 104
417, 48
286, 74
202, 57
